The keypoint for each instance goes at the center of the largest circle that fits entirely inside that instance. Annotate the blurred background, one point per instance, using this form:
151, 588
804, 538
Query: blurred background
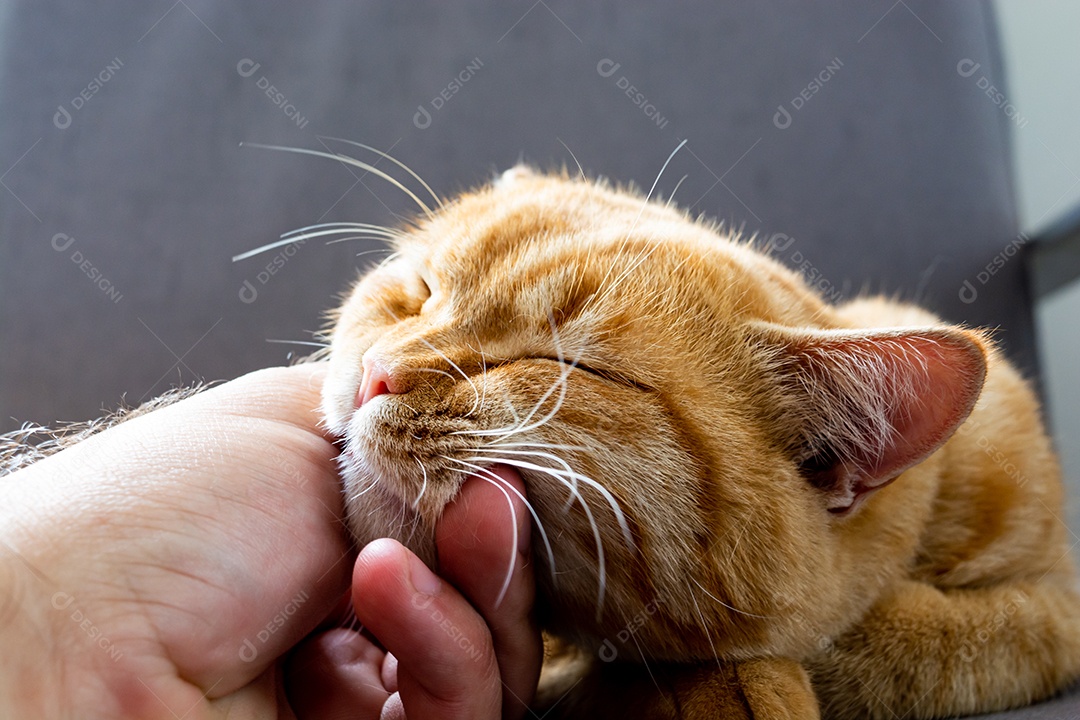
920, 149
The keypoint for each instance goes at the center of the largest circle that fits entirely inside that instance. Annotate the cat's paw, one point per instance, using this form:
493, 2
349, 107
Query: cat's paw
576, 686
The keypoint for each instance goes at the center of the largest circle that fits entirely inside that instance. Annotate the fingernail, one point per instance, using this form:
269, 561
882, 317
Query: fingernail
423, 580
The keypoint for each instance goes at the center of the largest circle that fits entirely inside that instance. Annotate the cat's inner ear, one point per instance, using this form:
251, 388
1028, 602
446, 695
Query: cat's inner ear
863, 406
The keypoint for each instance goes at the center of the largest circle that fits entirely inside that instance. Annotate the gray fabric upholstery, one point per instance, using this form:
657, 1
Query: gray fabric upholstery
122, 206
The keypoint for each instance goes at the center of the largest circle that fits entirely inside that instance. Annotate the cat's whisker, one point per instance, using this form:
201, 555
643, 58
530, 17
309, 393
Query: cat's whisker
705, 627
730, 607
502, 486
645, 662
423, 486
346, 160
600, 556
344, 227
438, 200
436, 371
287, 239
347, 224
570, 473
299, 342
356, 496
528, 506
560, 383
547, 446
580, 169
671, 198
641, 212
600, 560
476, 392
373, 234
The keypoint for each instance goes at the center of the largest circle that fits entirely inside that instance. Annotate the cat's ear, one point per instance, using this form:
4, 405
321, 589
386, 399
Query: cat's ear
514, 174
863, 406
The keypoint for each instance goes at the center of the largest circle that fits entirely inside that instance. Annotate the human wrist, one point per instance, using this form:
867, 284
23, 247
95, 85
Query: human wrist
48, 667
28, 634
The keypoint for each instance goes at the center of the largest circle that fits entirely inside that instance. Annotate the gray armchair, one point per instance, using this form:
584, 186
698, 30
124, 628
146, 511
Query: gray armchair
855, 140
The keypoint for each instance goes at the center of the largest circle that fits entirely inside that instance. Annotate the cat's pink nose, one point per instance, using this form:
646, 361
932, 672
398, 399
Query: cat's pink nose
377, 381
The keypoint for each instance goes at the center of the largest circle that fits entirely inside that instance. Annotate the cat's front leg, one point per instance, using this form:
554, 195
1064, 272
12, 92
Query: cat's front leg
576, 686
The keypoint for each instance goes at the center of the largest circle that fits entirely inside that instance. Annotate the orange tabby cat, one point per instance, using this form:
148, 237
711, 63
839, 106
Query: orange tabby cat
748, 503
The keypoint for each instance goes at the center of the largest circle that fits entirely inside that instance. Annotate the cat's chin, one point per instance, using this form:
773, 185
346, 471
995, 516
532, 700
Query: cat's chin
374, 510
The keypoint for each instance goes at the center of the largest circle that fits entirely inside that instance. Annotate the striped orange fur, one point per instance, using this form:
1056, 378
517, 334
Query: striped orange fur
757, 504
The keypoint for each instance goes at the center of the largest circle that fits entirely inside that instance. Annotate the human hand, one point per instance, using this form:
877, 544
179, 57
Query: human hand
164, 567
444, 657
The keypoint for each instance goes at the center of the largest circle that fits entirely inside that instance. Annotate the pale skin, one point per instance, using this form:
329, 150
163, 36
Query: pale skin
177, 565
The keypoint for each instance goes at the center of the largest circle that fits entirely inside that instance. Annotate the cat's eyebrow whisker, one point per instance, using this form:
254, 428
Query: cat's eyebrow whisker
346, 160
502, 486
730, 607
600, 561
438, 200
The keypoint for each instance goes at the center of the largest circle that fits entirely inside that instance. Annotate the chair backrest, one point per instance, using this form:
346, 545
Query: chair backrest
860, 140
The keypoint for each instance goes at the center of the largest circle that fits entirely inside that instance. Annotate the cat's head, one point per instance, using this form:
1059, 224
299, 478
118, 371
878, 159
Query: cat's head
696, 429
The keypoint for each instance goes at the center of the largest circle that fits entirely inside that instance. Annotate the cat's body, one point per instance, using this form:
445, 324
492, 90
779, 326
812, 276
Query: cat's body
799, 507
710, 450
